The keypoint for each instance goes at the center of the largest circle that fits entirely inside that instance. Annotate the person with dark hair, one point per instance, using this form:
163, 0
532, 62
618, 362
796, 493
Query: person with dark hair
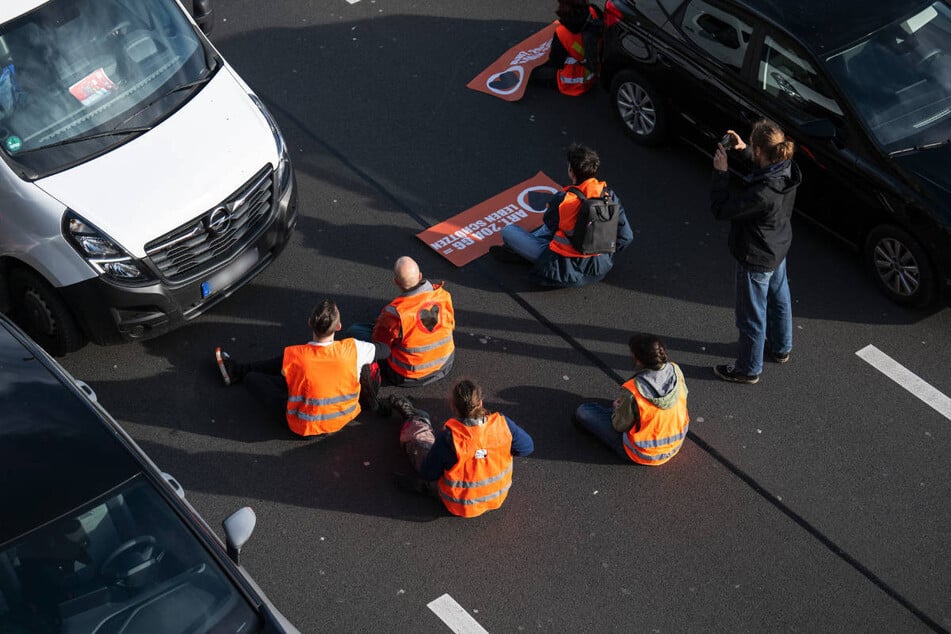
760, 214
418, 327
648, 421
320, 386
575, 53
555, 260
470, 460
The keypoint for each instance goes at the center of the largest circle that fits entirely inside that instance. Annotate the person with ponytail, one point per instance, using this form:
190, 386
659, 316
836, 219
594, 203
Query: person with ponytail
648, 421
759, 213
470, 461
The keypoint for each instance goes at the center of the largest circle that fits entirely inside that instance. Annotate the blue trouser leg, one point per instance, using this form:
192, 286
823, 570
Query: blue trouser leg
752, 289
529, 245
779, 312
596, 418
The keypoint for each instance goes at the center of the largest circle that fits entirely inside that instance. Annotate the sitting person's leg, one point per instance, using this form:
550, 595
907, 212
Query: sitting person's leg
596, 419
529, 245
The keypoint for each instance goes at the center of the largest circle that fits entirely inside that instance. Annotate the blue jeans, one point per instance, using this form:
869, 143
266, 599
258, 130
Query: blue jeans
529, 245
763, 316
596, 418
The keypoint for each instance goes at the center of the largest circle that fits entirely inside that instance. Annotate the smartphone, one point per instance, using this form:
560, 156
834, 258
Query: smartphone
728, 141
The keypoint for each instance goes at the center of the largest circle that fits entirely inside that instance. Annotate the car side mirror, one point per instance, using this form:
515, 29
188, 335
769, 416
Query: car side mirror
238, 528
823, 130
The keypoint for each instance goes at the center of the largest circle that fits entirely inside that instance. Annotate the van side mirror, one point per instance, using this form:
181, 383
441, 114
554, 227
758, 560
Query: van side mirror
204, 15
238, 528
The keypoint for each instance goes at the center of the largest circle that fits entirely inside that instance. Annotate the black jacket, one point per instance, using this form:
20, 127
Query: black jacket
759, 213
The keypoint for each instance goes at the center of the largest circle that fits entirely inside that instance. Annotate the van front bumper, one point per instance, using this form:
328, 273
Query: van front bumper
112, 313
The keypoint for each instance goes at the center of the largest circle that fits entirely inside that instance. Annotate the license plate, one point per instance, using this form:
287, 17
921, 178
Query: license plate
227, 276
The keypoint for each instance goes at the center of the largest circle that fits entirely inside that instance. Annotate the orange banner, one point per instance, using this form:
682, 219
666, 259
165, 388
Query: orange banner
507, 77
468, 235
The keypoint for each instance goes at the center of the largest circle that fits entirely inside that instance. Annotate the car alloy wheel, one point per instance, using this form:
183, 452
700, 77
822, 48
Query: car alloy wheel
638, 108
900, 266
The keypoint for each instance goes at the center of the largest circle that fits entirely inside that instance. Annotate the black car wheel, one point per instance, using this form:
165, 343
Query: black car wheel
900, 266
639, 108
40, 311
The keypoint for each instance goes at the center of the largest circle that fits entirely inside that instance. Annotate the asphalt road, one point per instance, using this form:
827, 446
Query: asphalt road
813, 501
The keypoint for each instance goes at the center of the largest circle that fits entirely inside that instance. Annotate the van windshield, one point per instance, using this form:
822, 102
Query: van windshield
78, 77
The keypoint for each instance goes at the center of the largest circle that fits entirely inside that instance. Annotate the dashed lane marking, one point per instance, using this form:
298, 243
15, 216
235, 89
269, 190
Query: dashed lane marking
907, 379
455, 616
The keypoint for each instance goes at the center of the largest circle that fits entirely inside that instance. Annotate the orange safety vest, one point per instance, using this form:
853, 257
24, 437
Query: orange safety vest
480, 480
323, 387
568, 214
574, 78
660, 433
426, 321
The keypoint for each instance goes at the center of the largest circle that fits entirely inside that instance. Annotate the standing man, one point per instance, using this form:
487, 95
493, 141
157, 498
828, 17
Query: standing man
556, 262
760, 236
417, 326
319, 385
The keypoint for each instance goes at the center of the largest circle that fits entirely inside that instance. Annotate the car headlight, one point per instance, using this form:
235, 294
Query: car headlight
105, 256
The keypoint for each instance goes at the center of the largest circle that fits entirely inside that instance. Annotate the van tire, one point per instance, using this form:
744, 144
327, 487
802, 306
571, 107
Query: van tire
41, 312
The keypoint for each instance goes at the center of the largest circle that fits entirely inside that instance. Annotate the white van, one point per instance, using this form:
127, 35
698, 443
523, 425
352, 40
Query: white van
141, 180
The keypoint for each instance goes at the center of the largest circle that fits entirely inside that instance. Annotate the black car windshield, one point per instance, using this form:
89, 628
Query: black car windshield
74, 71
899, 79
124, 564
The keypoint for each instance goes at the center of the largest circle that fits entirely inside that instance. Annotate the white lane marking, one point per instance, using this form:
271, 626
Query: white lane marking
455, 616
907, 379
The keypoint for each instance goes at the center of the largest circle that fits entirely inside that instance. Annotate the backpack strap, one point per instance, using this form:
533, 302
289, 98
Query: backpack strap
577, 192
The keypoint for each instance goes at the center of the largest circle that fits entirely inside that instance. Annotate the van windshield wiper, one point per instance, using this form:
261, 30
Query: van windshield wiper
172, 91
88, 137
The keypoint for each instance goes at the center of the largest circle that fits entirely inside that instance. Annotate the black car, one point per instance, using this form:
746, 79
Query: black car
863, 87
93, 537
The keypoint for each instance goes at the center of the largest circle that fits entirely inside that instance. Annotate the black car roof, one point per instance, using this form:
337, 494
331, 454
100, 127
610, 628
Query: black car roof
828, 25
55, 452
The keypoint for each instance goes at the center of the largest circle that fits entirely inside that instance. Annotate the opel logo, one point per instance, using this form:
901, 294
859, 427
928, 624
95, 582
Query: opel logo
219, 220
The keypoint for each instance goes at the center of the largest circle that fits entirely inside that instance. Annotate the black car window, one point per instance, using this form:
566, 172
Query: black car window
786, 74
718, 32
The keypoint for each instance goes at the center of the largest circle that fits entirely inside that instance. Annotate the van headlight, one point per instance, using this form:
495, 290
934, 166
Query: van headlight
282, 173
103, 255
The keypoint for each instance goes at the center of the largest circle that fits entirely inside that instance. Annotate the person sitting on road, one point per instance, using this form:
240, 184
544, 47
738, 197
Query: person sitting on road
574, 56
556, 262
471, 458
417, 326
648, 421
321, 385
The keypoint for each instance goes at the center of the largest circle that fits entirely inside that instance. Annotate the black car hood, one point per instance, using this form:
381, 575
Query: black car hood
930, 169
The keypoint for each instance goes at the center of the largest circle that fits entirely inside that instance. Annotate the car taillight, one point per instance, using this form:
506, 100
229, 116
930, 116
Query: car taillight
612, 15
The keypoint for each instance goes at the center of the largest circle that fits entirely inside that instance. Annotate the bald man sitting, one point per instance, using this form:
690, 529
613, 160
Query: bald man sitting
417, 326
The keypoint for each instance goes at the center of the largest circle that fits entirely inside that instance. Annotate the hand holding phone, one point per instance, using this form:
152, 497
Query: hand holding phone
728, 142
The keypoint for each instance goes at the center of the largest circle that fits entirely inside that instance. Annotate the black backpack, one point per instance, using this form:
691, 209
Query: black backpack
596, 224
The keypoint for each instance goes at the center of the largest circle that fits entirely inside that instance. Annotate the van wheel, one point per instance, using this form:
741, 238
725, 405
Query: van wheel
40, 311
900, 266
639, 108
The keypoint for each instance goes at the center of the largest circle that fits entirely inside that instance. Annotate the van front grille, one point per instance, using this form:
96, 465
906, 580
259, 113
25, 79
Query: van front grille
217, 235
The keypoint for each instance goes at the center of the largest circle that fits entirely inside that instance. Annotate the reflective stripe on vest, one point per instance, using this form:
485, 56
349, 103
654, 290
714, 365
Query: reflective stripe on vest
427, 320
481, 478
661, 432
323, 388
568, 213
